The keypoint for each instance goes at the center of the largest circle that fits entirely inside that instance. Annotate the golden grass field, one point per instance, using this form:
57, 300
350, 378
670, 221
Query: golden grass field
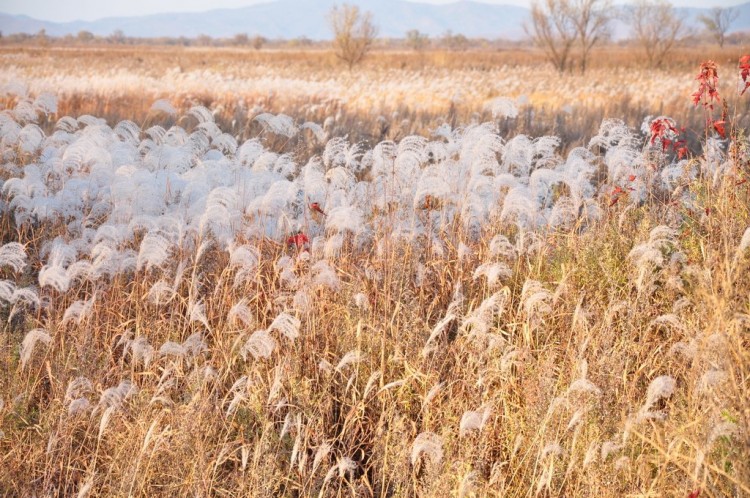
477, 313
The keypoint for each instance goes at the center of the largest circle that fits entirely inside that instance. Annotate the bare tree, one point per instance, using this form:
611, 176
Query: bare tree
85, 36
656, 28
717, 22
258, 42
591, 19
117, 36
553, 30
241, 40
457, 42
353, 33
417, 41
557, 26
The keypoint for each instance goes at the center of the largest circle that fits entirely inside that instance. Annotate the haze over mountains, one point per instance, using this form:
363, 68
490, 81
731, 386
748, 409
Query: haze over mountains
307, 18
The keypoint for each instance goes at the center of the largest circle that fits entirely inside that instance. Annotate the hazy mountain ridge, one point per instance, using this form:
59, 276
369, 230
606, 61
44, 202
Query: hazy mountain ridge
297, 18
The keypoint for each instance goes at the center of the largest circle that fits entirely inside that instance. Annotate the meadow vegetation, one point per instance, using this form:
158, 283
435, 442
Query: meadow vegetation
250, 273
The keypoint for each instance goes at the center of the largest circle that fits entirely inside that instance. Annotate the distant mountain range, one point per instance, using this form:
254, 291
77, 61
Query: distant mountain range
297, 18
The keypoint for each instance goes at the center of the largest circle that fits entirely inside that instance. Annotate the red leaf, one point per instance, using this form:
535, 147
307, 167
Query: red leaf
299, 240
316, 207
695, 493
719, 127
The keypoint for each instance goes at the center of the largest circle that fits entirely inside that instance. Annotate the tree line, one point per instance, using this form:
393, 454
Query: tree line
565, 30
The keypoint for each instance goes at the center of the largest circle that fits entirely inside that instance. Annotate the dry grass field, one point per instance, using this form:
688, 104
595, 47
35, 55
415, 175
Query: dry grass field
232, 273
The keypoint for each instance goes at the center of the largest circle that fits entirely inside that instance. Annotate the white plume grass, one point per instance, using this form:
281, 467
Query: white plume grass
429, 445
30, 340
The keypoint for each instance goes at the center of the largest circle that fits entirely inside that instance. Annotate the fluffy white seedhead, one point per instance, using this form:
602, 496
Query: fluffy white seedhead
13, 255
115, 396
142, 351
320, 454
361, 301
744, 242
428, 444
29, 343
576, 418
155, 249
670, 320
197, 313
437, 331
286, 325
79, 310
551, 449
468, 484
464, 252
432, 393
171, 348
608, 448
7, 288
482, 318
494, 273
501, 247
710, 380
535, 298
474, 420
260, 345
592, 454
722, 429
195, 344
77, 388
350, 358
584, 386
78, 406
317, 131
280, 124
54, 276
163, 106
345, 219
346, 466
660, 388
161, 293
240, 313
502, 107
325, 275
245, 260
393, 385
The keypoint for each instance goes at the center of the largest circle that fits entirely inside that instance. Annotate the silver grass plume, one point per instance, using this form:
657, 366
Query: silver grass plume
13, 255
428, 444
494, 273
350, 358
286, 325
479, 321
240, 312
660, 388
474, 420
259, 345
154, 251
280, 124
29, 343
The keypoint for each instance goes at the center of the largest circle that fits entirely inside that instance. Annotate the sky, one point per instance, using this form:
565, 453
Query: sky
89, 10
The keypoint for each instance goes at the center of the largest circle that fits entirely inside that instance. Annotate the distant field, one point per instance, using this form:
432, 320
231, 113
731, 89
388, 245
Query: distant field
392, 95
253, 273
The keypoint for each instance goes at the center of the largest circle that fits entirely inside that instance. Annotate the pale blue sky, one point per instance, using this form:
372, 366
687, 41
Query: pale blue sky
88, 10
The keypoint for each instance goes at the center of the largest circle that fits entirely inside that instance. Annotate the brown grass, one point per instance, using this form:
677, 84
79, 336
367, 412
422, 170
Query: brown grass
177, 437
392, 95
